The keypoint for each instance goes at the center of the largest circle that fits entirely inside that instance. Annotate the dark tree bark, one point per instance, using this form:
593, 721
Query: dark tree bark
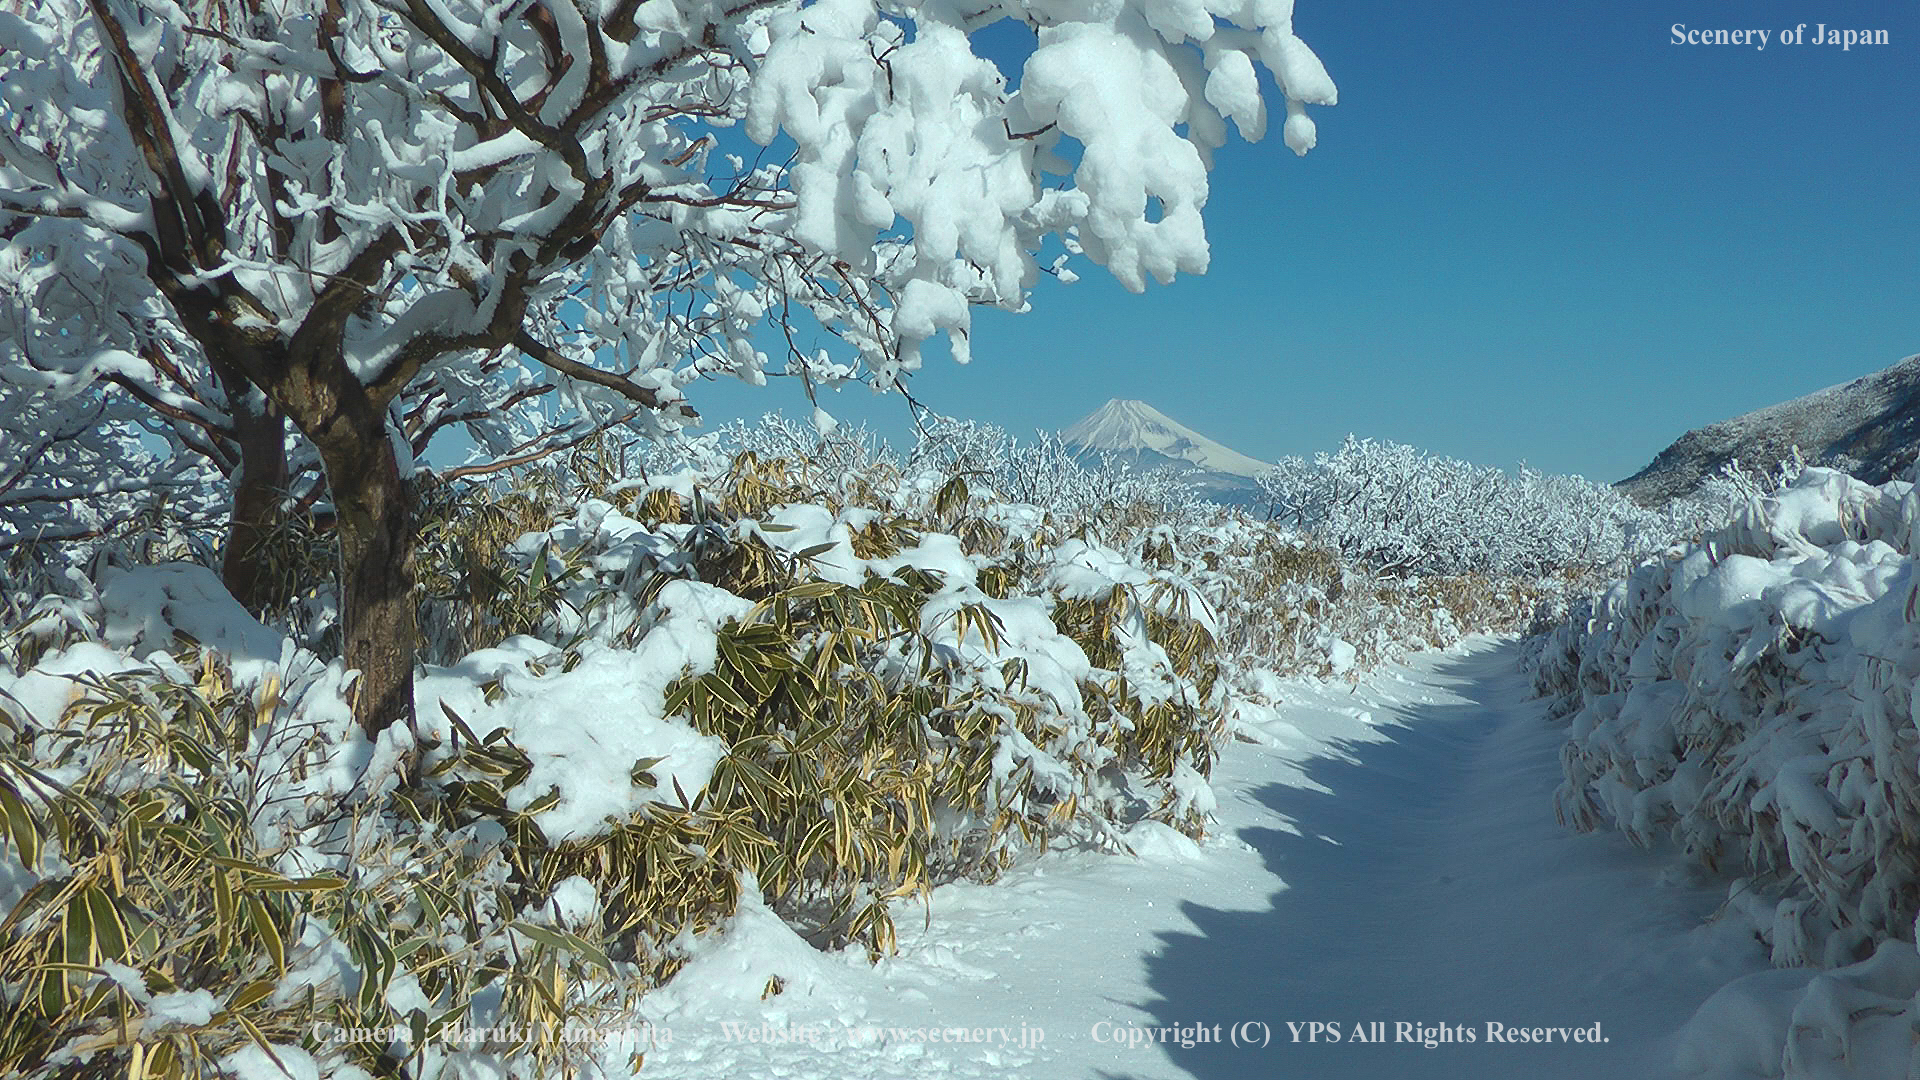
252, 568
302, 377
375, 525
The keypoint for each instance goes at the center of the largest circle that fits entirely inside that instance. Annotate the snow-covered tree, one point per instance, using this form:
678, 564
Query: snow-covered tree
373, 218
75, 469
1399, 511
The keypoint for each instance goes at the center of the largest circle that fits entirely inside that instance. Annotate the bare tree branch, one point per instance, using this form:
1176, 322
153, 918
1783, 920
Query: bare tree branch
574, 369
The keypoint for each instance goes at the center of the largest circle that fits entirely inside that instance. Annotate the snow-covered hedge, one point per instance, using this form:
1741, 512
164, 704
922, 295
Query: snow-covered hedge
1752, 696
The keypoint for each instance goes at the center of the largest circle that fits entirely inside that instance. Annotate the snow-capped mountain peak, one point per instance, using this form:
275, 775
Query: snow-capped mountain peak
1129, 427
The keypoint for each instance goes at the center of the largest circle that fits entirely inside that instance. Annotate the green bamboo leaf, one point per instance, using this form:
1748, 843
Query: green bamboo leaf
431, 912
245, 866
459, 725
545, 802
20, 827
726, 694
541, 982
814, 741
676, 703
729, 654
537, 578
446, 1019
261, 918
249, 995
565, 942
109, 931
642, 772
191, 752
78, 921
952, 497
814, 843
317, 883
259, 1039
756, 668
53, 993
377, 964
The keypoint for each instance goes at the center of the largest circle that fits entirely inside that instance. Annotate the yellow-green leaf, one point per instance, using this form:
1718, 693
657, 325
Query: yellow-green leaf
261, 916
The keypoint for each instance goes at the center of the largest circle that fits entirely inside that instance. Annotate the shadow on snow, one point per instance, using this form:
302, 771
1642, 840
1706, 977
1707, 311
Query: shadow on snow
1429, 885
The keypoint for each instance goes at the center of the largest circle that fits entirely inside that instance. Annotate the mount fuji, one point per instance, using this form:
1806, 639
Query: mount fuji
1138, 434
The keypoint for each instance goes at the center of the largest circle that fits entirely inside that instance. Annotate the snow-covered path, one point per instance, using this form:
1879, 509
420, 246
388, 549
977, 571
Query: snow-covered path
1392, 859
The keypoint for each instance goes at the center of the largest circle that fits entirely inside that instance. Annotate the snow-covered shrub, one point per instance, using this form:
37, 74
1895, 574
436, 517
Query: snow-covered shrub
1292, 606
1042, 472
815, 460
1107, 495
1284, 601
203, 859
1752, 695
800, 663
473, 593
1399, 511
1067, 645
698, 680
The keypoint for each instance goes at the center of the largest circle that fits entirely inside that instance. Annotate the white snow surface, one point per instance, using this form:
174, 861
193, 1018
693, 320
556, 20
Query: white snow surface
185, 1008
1129, 427
146, 608
1383, 853
587, 728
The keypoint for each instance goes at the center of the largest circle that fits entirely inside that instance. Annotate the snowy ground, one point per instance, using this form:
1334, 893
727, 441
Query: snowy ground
1393, 859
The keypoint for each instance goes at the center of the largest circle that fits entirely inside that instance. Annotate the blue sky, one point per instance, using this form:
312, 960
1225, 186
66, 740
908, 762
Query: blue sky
1536, 232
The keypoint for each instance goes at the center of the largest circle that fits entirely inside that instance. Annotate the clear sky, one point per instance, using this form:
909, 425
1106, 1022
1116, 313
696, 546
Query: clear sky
1531, 231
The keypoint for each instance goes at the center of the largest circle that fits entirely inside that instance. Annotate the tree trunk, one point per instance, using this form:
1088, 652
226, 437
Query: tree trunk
377, 612
254, 567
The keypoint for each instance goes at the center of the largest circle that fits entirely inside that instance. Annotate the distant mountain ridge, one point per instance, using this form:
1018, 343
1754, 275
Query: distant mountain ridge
1869, 427
1136, 432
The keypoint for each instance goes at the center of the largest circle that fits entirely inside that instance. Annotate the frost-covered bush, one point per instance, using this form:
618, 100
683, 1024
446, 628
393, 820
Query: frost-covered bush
1288, 603
1291, 606
79, 470
1042, 472
1399, 511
